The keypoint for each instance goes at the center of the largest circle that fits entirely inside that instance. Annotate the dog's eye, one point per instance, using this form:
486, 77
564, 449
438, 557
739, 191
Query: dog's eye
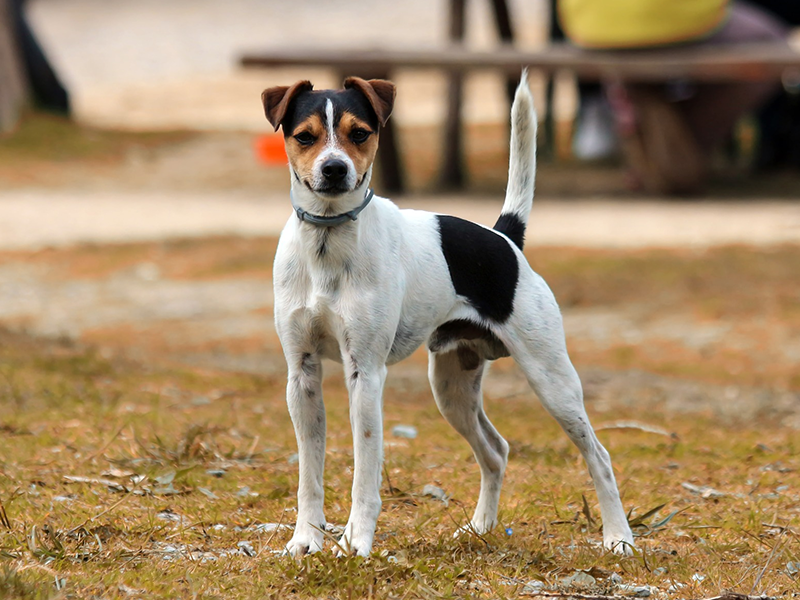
304, 138
359, 136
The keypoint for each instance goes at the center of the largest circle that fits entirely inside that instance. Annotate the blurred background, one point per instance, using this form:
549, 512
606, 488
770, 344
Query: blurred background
141, 189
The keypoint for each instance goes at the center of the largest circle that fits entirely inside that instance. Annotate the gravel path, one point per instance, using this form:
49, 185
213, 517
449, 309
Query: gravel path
31, 218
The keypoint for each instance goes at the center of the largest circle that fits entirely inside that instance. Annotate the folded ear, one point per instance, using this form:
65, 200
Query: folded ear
276, 100
379, 92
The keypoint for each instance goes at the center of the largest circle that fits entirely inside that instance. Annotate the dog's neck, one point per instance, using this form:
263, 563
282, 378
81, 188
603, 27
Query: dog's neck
326, 244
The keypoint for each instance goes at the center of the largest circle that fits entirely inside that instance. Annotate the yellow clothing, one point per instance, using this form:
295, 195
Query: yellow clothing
639, 23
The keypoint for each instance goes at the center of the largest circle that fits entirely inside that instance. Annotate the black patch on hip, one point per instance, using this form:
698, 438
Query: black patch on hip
476, 337
483, 266
468, 358
512, 227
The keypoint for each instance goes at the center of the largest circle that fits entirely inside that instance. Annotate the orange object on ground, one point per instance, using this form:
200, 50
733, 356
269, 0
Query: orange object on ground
270, 150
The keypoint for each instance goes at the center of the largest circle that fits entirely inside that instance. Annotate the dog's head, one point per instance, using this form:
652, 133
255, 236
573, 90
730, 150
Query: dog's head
331, 136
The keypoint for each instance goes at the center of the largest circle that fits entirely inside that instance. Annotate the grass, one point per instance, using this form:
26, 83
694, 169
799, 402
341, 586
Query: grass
45, 147
181, 467
42, 136
122, 479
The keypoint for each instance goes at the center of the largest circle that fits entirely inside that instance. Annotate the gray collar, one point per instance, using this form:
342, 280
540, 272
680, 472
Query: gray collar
320, 221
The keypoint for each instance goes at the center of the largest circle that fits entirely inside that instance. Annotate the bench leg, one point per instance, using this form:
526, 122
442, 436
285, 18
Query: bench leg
548, 150
452, 174
389, 162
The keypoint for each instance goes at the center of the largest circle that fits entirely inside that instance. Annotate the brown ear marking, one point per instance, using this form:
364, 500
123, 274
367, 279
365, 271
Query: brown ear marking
379, 92
276, 100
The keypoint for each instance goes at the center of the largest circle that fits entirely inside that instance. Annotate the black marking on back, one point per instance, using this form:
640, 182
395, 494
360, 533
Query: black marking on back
513, 228
482, 264
474, 335
307, 103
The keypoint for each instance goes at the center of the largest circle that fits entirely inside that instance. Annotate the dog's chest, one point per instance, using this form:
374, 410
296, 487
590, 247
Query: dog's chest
322, 295
315, 307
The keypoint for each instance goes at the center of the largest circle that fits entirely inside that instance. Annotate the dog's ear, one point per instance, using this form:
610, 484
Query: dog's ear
276, 100
379, 92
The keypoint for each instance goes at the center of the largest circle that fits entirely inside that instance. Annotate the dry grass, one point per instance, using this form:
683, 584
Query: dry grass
138, 480
48, 149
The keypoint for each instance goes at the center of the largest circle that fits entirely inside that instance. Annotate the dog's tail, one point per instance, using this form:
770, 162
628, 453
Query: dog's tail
521, 165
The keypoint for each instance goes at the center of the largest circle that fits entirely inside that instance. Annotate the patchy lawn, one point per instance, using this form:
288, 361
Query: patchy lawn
151, 478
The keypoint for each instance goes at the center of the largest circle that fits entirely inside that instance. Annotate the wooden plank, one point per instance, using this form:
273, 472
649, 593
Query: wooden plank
739, 62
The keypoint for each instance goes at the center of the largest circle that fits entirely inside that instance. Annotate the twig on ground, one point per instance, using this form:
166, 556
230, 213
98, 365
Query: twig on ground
587, 512
112, 485
388, 480
4, 517
636, 425
105, 446
769, 560
344, 549
248, 457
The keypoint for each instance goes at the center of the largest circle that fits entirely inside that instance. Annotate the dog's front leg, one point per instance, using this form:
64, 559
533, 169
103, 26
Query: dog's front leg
304, 398
365, 383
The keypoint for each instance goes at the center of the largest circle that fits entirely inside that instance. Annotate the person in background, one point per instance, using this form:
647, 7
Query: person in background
667, 132
778, 144
594, 137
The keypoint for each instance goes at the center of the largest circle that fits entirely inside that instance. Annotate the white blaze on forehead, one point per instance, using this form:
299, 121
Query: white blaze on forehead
329, 118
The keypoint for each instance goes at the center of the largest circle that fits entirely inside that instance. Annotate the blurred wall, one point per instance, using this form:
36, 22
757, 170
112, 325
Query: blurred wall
150, 64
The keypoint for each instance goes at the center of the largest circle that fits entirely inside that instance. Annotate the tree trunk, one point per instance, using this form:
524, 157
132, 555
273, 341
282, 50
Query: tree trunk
13, 90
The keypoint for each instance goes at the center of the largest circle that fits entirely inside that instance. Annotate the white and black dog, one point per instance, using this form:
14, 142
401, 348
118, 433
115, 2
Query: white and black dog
364, 283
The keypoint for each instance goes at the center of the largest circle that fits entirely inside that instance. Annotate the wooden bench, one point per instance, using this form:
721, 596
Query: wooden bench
734, 62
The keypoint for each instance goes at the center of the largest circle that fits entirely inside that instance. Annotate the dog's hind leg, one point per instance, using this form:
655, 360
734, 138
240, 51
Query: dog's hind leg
456, 378
545, 362
304, 398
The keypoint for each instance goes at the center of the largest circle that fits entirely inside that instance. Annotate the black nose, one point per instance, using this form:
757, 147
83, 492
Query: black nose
334, 170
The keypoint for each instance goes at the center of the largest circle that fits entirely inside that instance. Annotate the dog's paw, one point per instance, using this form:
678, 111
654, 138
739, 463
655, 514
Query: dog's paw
621, 544
352, 544
303, 543
475, 527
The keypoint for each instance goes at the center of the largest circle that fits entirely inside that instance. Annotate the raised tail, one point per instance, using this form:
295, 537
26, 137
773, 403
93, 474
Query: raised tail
521, 166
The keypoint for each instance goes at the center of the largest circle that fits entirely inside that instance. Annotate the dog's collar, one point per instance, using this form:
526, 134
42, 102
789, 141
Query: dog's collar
320, 221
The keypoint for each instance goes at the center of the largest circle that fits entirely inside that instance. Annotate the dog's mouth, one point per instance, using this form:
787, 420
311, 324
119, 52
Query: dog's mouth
327, 189
336, 189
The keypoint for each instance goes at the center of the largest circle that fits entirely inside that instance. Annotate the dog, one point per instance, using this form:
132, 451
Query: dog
360, 281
